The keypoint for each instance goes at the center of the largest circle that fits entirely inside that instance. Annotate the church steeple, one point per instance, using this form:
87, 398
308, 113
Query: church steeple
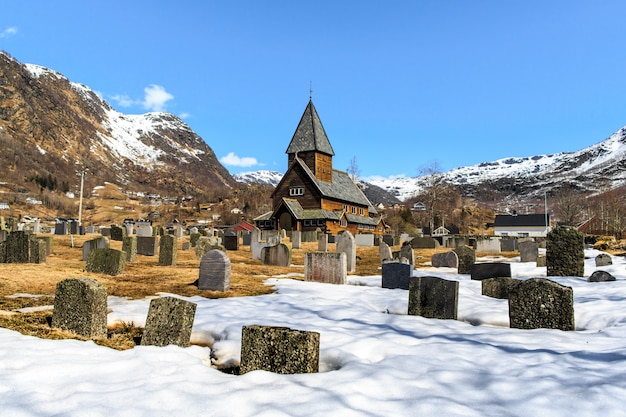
310, 144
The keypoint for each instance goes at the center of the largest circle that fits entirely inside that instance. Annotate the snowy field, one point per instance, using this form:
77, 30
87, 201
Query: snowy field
374, 359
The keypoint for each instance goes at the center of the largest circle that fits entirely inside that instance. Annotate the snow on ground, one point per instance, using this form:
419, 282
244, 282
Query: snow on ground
374, 359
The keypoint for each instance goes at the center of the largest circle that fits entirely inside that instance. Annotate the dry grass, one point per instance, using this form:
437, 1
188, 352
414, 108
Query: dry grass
143, 278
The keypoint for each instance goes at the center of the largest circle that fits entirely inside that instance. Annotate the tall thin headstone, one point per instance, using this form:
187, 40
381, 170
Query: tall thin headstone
467, 258
168, 250
565, 252
296, 239
347, 245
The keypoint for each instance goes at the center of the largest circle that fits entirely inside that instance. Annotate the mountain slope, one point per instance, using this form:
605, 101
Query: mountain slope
50, 126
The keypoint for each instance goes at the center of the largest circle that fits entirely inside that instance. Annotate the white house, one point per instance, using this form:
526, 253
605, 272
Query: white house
522, 225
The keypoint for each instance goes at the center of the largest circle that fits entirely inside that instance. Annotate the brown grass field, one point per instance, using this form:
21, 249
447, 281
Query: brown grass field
142, 278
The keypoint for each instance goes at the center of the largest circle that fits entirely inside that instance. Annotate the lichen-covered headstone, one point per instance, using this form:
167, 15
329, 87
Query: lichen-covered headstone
147, 245
17, 247
499, 287
168, 250
327, 267
424, 242
117, 232
129, 247
37, 250
205, 244
486, 270
215, 271
396, 274
565, 252
445, 259
600, 276
80, 306
467, 258
278, 255
279, 349
346, 244
193, 239
106, 261
603, 259
49, 241
169, 322
528, 251
433, 297
540, 303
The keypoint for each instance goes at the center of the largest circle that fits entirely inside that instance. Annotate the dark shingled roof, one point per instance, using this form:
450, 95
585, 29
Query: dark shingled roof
503, 220
310, 134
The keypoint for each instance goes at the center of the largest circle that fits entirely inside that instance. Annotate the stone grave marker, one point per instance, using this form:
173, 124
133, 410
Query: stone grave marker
485, 270
230, 241
214, 271
384, 252
205, 244
117, 232
509, 244
147, 245
296, 239
144, 230
603, 259
467, 258
528, 251
488, 245
168, 250
107, 261
540, 303
499, 287
278, 255
406, 252
130, 228
346, 244
565, 252
396, 274
600, 276
279, 349
80, 306
541, 261
22, 247
129, 247
97, 243
424, 242
445, 260
433, 297
322, 242
169, 322
193, 239
37, 250
327, 267
49, 240
61, 228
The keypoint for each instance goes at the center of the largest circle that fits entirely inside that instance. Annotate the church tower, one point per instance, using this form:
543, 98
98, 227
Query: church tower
311, 145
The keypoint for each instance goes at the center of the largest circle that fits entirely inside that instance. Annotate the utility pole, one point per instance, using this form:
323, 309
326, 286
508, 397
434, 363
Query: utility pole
80, 199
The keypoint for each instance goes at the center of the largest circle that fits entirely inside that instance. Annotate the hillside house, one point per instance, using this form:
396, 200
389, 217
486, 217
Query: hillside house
312, 194
522, 225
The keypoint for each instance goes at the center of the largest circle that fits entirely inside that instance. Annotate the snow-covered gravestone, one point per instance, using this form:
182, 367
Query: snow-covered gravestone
433, 297
80, 306
539, 303
279, 349
214, 271
347, 245
169, 322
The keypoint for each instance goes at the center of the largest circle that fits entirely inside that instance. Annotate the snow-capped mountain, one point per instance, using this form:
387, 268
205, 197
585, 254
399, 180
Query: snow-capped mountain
264, 177
55, 127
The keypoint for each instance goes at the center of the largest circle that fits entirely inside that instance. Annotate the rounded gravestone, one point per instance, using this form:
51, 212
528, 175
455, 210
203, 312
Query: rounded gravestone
214, 271
601, 276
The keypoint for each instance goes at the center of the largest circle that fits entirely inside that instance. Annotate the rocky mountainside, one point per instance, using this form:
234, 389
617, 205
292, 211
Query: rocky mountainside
52, 128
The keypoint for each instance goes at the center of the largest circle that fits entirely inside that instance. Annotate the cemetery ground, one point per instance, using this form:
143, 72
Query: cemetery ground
27, 290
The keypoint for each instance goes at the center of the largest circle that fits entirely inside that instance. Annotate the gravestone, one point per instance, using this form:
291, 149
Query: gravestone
144, 230
346, 244
37, 226
528, 251
49, 240
117, 232
296, 239
467, 258
600, 276
603, 259
433, 297
168, 249
247, 238
74, 227
193, 239
488, 245
230, 241
37, 250
406, 252
179, 232
445, 260
17, 248
565, 252
97, 243
322, 242
278, 255
186, 246
105, 231
396, 275
147, 245
540, 303
541, 261
327, 267
106, 261
129, 247
509, 244
130, 228
364, 239
424, 242
205, 244
279, 349
169, 322
498, 287
61, 228
490, 270
214, 271
384, 252
80, 306
90, 229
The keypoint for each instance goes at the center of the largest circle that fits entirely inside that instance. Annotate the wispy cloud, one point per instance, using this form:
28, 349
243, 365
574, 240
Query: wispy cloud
123, 100
184, 115
233, 160
155, 98
8, 32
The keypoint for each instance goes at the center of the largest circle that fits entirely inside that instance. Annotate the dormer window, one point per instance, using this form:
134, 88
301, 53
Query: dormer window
295, 191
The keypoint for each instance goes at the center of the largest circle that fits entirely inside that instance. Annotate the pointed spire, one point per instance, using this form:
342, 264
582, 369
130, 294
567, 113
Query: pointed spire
310, 134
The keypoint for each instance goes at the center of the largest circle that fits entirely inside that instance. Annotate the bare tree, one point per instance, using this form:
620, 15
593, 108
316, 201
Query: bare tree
438, 196
569, 206
353, 169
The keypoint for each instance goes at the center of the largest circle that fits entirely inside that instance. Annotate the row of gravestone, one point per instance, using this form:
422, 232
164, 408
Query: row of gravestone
80, 306
24, 247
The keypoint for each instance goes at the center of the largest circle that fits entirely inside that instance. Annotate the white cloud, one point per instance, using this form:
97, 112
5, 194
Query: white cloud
234, 160
184, 115
123, 100
10, 31
156, 97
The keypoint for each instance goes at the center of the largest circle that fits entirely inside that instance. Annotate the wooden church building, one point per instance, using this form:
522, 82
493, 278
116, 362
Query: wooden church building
312, 195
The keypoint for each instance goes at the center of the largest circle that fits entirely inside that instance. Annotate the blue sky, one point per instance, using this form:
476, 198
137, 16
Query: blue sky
399, 85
